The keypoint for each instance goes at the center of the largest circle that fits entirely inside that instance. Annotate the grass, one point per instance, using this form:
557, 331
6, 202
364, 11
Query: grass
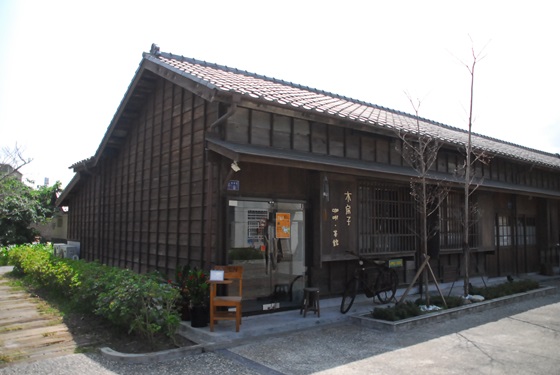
4, 358
10, 329
85, 350
8, 358
15, 283
46, 308
48, 303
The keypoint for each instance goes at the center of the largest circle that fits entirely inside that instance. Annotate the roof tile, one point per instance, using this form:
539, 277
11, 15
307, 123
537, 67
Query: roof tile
288, 94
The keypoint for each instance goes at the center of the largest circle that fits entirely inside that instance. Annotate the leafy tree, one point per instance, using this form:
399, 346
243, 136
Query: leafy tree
21, 206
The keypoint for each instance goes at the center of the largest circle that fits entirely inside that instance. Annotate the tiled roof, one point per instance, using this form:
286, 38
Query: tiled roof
282, 93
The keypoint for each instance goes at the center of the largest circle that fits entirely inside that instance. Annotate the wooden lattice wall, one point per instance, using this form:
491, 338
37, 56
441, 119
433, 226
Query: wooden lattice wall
144, 206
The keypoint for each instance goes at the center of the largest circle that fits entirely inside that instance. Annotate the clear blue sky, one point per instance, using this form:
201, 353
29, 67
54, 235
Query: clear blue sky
65, 65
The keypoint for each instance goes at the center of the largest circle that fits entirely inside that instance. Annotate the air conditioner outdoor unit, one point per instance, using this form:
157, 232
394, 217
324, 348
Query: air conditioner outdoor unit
74, 243
72, 252
59, 249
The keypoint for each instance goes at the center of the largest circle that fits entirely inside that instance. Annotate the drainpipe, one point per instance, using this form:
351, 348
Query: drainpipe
228, 114
210, 226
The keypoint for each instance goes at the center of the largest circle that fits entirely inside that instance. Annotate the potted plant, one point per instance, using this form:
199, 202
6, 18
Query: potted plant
197, 288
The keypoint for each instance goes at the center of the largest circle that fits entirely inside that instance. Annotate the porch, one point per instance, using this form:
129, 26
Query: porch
273, 324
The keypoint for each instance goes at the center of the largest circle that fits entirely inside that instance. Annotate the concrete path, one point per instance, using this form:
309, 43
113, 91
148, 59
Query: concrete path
518, 339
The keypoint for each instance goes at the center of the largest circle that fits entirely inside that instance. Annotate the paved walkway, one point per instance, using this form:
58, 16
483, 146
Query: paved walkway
521, 338
26, 332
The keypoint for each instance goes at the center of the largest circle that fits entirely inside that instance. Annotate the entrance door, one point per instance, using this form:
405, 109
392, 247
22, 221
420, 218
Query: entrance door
267, 238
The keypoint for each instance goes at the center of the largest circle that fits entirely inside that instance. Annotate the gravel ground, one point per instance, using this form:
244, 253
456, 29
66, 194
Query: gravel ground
95, 364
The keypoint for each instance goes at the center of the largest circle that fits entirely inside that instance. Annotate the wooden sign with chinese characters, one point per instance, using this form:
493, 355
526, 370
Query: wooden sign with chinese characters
339, 219
283, 225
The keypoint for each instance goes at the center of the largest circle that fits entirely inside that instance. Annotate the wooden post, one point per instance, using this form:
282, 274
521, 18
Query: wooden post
415, 278
437, 285
418, 273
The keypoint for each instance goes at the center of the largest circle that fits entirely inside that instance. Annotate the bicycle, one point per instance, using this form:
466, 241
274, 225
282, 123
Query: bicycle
378, 281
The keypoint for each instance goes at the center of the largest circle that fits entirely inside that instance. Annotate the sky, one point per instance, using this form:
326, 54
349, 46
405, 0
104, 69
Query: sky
66, 65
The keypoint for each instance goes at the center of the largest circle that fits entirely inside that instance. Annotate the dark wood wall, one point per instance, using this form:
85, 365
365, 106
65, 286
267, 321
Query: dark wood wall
146, 205
143, 207
270, 181
258, 127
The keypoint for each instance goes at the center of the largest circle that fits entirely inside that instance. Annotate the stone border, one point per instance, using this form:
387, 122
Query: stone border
441, 315
164, 355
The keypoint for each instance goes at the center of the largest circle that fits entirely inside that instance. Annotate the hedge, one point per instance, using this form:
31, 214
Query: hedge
142, 304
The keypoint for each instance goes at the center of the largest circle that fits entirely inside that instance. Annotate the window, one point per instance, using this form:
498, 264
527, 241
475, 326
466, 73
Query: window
503, 231
530, 231
451, 222
387, 219
451, 217
526, 231
254, 218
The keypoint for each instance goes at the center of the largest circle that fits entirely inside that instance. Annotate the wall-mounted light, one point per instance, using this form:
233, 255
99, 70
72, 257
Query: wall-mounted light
235, 167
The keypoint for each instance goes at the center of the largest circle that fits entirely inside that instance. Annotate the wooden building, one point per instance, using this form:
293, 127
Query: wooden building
205, 164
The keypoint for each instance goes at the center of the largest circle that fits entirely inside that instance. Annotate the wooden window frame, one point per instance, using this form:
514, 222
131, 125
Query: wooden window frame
387, 220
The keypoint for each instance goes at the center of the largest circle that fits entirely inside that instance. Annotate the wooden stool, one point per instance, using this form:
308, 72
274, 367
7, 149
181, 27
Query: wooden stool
310, 301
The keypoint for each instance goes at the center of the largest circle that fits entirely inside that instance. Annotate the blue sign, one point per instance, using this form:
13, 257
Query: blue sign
233, 185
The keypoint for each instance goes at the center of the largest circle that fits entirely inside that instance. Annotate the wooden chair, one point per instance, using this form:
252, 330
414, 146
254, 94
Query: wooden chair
220, 305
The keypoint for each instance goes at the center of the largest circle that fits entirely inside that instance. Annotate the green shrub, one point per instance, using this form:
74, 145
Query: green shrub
4, 256
404, 310
139, 303
95, 279
245, 253
410, 309
505, 289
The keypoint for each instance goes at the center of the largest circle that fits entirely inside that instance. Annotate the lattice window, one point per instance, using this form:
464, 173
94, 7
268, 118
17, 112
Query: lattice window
387, 219
451, 223
451, 217
254, 218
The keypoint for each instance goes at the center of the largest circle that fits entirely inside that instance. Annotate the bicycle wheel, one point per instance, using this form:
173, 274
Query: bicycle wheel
349, 295
386, 285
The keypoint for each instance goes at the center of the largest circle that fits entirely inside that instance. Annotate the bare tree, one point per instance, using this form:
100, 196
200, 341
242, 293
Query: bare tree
420, 150
472, 157
14, 158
